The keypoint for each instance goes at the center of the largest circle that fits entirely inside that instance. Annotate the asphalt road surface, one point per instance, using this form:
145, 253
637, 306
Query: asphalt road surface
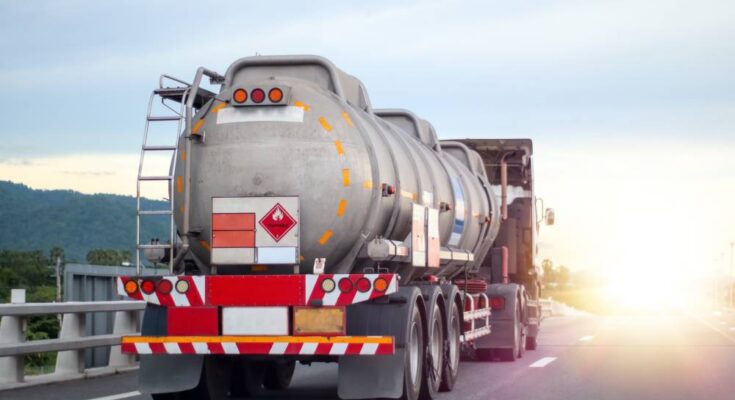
624, 356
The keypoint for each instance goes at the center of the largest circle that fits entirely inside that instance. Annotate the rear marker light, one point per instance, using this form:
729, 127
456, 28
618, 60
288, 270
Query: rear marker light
345, 285
497, 303
363, 285
240, 96
380, 285
148, 287
328, 285
275, 95
182, 286
131, 287
165, 286
257, 95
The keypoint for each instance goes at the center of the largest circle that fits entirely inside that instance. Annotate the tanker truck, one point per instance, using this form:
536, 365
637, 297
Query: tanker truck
307, 226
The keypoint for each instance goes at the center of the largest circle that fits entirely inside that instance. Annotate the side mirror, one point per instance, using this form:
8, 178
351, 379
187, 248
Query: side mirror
549, 216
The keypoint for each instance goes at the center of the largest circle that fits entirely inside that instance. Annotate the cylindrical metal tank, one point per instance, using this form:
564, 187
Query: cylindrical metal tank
337, 158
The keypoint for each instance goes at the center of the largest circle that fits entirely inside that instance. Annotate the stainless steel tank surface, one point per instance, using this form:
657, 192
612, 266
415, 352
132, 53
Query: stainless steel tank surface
342, 159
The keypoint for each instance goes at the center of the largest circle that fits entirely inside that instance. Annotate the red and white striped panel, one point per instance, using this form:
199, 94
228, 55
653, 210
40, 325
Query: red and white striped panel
315, 293
281, 345
195, 296
263, 290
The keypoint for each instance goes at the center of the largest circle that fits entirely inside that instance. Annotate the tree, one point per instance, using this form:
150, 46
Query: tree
108, 257
564, 276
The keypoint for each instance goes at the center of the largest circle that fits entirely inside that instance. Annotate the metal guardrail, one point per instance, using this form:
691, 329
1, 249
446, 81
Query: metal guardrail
546, 307
71, 342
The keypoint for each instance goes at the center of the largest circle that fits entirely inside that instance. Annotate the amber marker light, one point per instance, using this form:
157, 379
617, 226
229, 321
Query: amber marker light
380, 285
275, 95
240, 96
131, 287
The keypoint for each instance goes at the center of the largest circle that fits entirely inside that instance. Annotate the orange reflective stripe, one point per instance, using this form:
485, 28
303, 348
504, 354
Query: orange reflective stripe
258, 339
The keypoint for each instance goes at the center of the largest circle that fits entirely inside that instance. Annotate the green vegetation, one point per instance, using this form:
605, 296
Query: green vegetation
78, 223
108, 257
580, 289
30, 270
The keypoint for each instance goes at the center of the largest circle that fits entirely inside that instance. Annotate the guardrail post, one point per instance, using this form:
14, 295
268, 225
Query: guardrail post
126, 322
72, 361
12, 330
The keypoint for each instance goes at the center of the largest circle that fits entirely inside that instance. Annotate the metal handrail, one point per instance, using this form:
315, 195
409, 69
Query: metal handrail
30, 309
72, 339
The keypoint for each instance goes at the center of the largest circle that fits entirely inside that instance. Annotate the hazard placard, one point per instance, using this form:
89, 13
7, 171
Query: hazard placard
277, 222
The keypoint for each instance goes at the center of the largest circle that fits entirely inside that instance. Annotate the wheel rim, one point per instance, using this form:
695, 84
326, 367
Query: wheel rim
436, 347
414, 353
454, 341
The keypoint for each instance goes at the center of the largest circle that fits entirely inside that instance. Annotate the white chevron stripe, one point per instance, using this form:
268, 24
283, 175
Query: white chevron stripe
172, 348
143, 348
230, 348
309, 285
369, 348
200, 285
338, 349
278, 348
200, 348
308, 348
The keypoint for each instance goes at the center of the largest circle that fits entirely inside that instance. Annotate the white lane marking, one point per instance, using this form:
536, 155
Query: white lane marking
586, 338
118, 396
542, 362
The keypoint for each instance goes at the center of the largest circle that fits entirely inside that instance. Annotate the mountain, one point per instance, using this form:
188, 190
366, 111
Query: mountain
41, 219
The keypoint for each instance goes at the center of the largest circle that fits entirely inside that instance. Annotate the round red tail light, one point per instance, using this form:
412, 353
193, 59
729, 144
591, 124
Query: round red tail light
257, 95
165, 286
363, 285
240, 96
345, 285
148, 286
497, 303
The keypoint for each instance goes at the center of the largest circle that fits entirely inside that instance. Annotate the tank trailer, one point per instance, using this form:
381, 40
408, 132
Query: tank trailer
307, 226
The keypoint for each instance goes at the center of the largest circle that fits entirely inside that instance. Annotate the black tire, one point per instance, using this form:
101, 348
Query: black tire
453, 351
516, 352
485, 354
531, 343
248, 378
214, 383
434, 353
413, 364
278, 374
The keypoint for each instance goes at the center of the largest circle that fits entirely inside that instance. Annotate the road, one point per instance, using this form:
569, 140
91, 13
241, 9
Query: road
633, 356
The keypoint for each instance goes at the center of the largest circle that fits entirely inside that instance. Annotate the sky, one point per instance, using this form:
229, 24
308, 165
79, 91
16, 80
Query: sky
630, 103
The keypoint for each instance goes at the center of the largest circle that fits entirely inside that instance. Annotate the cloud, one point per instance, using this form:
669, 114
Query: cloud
12, 161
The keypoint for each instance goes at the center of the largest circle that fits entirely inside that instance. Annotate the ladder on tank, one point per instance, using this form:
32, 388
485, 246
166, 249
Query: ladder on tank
190, 97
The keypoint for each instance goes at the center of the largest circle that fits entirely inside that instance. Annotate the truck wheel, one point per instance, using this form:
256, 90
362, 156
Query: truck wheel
517, 351
278, 374
248, 377
413, 364
214, 383
451, 362
434, 353
530, 343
